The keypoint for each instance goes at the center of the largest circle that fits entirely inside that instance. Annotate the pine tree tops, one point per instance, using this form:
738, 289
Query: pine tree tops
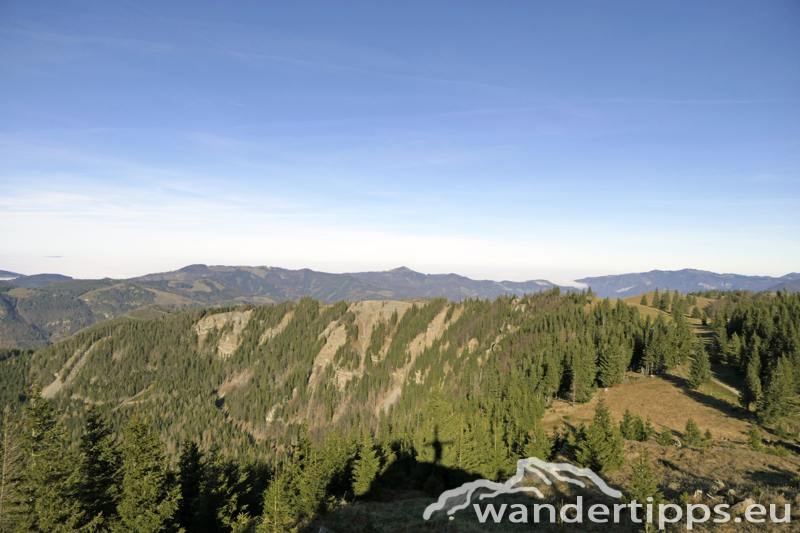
602, 447
700, 371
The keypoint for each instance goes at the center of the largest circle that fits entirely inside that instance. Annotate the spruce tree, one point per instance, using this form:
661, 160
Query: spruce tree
700, 371
609, 367
751, 386
665, 301
649, 430
366, 466
734, 350
308, 479
754, 438
277, 505
100, 467
665, 437
691, 434
696, 312
602, 445
538, 444
643, 482
656, 299
190, 478
643, 301
10, 469
148, 501
626, 426
49, 484
775, 402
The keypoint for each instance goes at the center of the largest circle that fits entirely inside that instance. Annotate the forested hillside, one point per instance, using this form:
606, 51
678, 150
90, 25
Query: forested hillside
299, 403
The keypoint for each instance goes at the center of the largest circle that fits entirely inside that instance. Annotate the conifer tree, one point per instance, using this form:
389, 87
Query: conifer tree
366, 466
700, 371
337, 457
277, 505
754, 438
665, 437
538, 444
10, 469
219, 502
775, 402
665, 301
734, 350
691, 434
148, 501
583, 370
656, 299
601, 449
643, 301
609, 368
626, 426
751, 386
308, 480
696, 312
190, 478
100, 467
643, 482
719, 345
49, 484
677, 304
649, 430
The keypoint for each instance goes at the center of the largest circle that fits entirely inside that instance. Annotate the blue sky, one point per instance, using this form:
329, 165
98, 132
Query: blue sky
514, 140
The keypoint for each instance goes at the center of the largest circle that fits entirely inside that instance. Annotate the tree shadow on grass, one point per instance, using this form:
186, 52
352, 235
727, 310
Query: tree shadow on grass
727, 375
722, 406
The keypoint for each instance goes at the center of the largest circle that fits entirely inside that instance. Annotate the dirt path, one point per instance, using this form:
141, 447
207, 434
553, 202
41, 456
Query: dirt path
51, 390
724, 386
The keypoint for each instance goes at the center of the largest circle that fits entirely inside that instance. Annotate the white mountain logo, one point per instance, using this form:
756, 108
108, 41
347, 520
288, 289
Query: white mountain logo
456, 499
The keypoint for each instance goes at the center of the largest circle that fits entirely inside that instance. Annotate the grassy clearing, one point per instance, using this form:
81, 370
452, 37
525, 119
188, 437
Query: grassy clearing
680, 472
667, 400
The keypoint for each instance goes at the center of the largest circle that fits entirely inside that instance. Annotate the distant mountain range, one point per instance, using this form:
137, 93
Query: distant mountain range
41, 309
686, 281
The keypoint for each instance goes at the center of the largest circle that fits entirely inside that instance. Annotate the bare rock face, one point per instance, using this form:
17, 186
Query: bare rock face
231, 339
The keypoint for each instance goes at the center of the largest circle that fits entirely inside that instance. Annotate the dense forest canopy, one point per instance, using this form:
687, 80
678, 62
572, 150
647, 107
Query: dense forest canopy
259, 416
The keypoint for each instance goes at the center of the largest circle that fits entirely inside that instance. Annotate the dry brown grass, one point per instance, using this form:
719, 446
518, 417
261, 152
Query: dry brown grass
666, 400
647, 310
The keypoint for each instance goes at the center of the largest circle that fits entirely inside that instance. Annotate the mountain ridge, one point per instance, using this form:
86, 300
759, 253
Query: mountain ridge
40, 309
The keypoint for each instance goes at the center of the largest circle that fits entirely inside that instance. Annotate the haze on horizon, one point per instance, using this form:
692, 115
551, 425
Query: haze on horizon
513, 141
